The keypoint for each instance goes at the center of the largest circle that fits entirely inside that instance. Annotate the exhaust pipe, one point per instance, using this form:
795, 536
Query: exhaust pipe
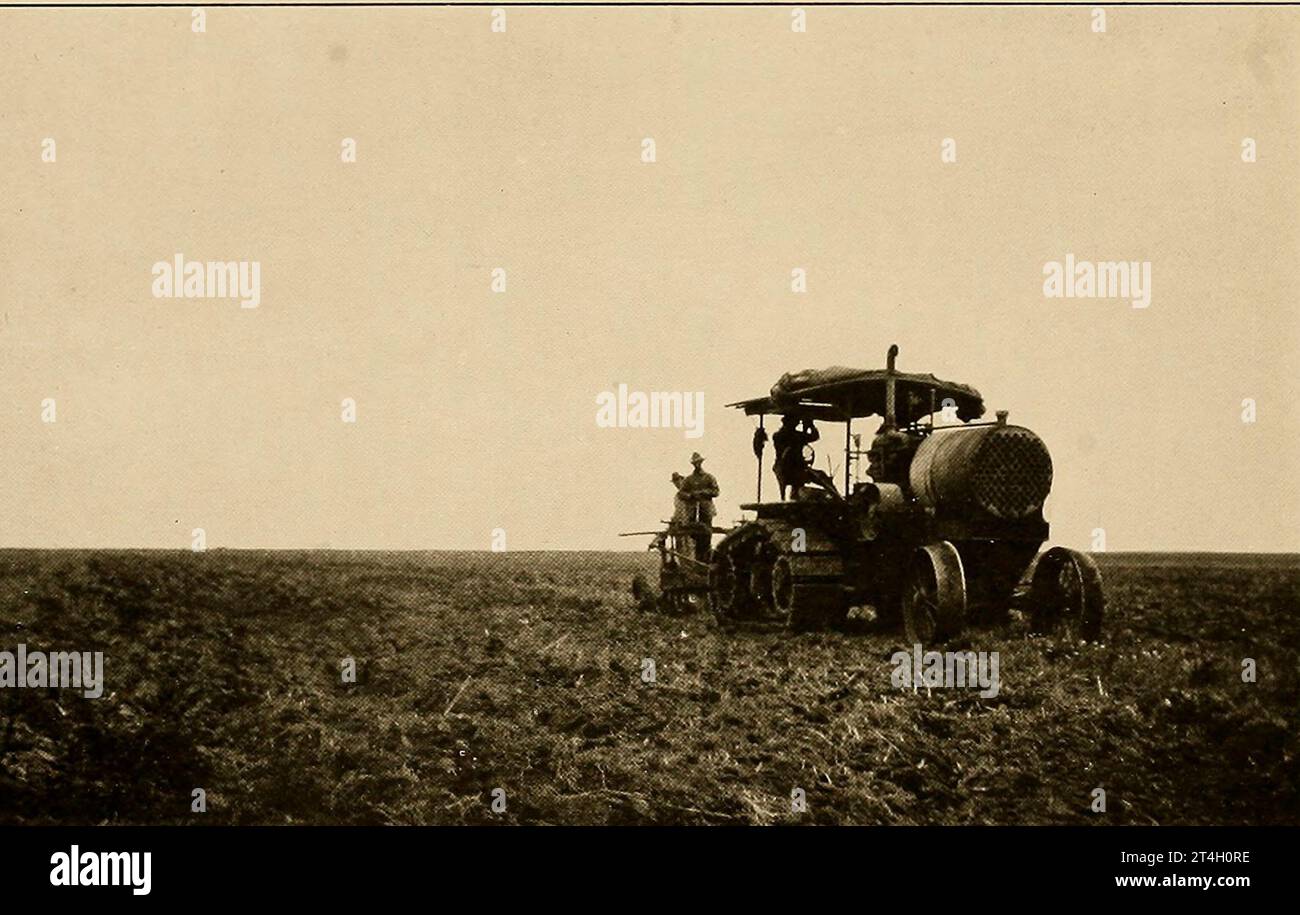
891, 413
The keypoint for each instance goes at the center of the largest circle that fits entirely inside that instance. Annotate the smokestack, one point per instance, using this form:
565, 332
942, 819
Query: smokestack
891, 412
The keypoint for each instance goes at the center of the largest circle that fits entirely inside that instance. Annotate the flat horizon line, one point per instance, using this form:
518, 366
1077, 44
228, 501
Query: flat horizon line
332, 549
571, 4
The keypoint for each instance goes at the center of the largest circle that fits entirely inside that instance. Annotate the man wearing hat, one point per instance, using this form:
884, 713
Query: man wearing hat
699, 490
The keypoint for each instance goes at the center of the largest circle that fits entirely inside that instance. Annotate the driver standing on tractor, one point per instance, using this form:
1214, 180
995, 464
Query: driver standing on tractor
699, 490
789, 442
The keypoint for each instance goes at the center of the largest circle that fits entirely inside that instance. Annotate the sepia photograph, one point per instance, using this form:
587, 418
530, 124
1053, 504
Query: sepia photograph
649, 415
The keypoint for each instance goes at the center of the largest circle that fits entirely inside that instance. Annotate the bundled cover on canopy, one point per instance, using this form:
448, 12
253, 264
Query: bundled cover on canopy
839, 392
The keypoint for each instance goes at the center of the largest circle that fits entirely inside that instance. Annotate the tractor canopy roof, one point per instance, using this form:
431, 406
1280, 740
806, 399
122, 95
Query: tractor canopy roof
837, 393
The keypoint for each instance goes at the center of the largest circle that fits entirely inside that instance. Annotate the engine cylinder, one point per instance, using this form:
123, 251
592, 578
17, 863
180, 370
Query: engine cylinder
1001, 470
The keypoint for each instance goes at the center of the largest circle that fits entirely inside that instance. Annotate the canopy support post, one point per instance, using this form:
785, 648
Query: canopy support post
891, 415
848, 451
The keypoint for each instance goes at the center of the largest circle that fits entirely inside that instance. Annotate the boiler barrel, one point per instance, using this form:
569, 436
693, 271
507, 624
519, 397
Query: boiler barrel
1003, 471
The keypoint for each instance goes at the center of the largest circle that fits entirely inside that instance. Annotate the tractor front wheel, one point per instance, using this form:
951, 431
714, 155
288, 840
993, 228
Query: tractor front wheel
934, 595
1066, 592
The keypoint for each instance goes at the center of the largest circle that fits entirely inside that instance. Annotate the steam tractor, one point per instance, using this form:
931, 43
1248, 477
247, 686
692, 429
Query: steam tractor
939, 529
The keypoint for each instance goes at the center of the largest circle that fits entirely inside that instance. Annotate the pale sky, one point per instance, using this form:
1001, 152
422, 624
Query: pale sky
774, 150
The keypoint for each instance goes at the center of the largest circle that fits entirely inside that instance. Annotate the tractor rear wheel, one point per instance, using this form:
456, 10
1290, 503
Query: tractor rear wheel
782, 579
1066, 592
934, 595
759, 576
760, 584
